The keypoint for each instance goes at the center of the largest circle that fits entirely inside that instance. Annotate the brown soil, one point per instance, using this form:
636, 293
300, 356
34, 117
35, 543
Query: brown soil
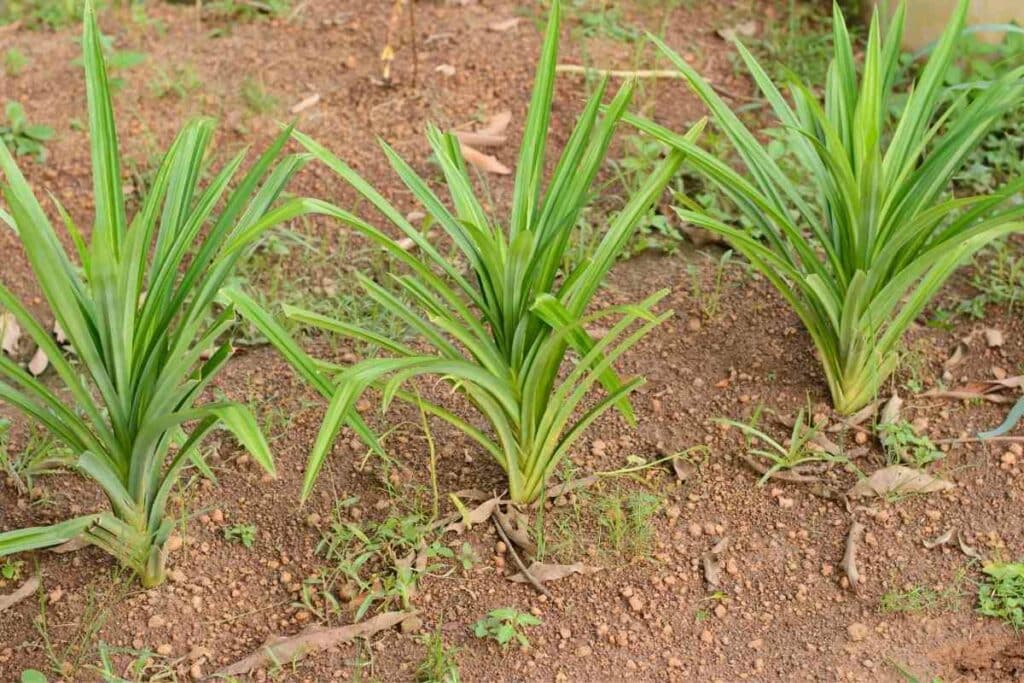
782, 610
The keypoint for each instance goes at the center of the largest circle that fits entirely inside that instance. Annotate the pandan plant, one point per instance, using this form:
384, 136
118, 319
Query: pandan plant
136, 300
506, 325
880, 233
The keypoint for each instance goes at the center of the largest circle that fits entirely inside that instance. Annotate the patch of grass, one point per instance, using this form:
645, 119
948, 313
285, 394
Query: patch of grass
41, 454
997, 278
256, 98
379, 561
914, 361
21, 136
143, 665
921, 598
626, 522
1001, 593
505, 624
440, 664
640, 157
797, 41
602, 19
15, 61
245, 10
270, 277
41, 14
71, 648
241, 533
177, 81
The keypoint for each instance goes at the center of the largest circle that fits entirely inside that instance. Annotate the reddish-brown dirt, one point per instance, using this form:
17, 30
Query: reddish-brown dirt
782, 610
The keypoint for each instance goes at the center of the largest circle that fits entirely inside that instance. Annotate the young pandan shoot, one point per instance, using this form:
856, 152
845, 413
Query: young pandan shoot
136, 310
500, 335
860, 262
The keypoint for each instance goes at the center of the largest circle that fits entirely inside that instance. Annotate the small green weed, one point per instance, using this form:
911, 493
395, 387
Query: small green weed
903, 444
709, 299
22, 137
504, 625
467, 557
799, 449
10, 570
1001, 593
440, 664
15, 61
241, 533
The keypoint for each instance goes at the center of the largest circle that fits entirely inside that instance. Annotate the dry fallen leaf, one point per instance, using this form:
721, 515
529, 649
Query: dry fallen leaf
993, 337
745, 29
987, 390
498, 123
305, 104
939, 540
966, 549
897, 479
475, 495
683, 468
477, 515
58, 334
485, 162
503, 25
10, 333
711, 563
857, 419
445, 69
891, 410
39, 363
569, 486
516, 528
315, 638
956, 357
543, 572
478, 139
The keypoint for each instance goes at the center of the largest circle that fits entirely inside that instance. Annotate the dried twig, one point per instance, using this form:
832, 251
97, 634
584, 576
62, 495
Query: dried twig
975, 439
645, 73
280, 650
849, 563
26, 590
499, 524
